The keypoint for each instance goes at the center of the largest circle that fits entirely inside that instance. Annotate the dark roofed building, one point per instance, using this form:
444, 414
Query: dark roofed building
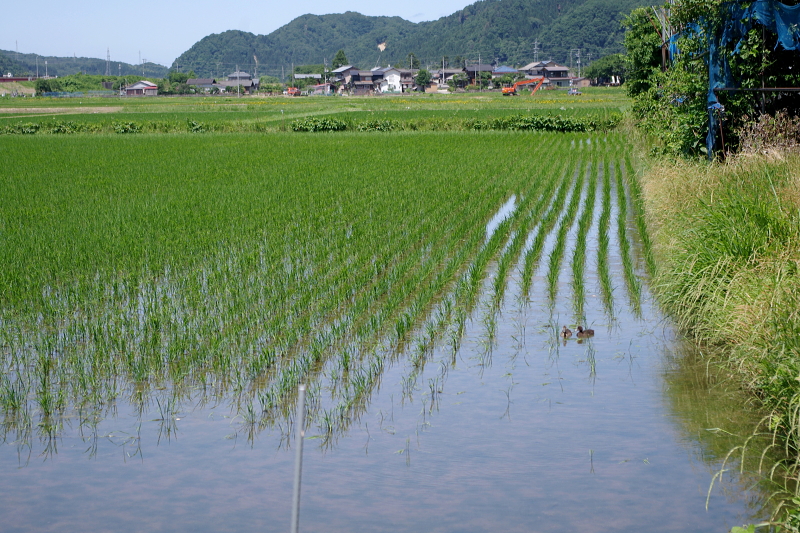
239, 75
202, 83
472, 71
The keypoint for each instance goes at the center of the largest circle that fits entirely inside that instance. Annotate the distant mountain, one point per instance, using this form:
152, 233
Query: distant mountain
494, 31
28, 64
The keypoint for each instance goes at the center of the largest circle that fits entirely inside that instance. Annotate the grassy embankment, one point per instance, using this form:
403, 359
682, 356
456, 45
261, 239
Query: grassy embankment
727, 239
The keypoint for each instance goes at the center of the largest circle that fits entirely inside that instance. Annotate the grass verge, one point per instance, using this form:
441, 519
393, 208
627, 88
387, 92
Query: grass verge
727, 240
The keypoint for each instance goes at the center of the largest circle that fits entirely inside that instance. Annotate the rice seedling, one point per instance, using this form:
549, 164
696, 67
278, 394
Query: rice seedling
637, 202
602, 243
548, 221
579, 252
554, 261
631, 280
161, 267
515, 247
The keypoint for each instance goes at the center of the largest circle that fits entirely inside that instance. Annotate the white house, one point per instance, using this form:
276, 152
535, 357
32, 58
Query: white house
142, 88
391, 82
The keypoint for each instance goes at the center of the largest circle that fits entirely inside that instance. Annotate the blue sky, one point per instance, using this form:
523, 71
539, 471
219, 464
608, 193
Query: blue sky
161, 31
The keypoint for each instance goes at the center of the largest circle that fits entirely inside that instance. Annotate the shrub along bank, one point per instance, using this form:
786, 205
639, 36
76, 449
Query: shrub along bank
727, 239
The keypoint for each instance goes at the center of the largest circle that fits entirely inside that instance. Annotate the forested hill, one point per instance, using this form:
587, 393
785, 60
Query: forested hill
27, 64
502, 31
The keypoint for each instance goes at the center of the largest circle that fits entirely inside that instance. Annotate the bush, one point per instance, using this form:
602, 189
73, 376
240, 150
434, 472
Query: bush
126, 127
377, 125
196, 127
319, 124
28, 128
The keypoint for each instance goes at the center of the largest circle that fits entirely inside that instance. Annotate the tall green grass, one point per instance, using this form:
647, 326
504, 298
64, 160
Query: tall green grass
728, 243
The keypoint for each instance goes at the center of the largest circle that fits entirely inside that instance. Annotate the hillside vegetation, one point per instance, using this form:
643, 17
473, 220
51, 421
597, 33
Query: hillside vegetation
501, 31
26, 65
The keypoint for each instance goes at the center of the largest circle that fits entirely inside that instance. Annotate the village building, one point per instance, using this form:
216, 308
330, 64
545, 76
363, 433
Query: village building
390, 81
202, 84
141, 88
557, 75
473, 72
240, 81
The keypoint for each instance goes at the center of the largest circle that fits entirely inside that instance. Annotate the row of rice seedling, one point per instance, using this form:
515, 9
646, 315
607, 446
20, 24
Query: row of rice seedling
637, 202
603, 224
631, 281
557, 253
579, 252
547, 180
533, 252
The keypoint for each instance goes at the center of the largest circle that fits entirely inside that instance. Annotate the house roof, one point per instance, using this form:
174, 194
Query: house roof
542, 64
479, 68
308, 76
505, 70
239, 74
234, 83
342, 69
143, 84
200, 81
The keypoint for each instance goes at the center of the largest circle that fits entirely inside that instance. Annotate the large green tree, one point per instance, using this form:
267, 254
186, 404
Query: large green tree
423, 78
606, 67
339, 60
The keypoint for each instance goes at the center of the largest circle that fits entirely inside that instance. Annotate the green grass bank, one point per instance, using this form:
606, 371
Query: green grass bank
727, 242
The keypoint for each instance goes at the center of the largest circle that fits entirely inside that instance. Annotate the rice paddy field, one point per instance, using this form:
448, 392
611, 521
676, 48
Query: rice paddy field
164, 293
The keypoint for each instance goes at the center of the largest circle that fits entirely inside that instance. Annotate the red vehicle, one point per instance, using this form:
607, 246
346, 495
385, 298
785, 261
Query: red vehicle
293, 91
512, 91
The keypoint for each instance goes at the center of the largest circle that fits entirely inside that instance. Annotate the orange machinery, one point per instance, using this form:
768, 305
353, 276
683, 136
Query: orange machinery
512, 91
293, 91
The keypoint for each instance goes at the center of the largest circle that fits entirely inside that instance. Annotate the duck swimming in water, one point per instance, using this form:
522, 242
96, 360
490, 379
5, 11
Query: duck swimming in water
566, 332
585, 333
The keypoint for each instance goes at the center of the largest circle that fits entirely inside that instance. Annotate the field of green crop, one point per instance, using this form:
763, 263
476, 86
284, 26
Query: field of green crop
240, 265
259, 114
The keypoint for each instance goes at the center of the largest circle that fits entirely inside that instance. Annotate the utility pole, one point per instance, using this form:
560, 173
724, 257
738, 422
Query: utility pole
477, 73
536, 51
37, 67
578, 55
108, 61
238, 83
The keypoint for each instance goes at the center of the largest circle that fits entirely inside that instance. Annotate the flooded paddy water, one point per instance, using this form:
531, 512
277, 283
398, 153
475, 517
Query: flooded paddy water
503, 425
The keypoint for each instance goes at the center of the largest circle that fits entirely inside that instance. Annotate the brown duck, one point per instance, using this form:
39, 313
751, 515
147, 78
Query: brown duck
585, 333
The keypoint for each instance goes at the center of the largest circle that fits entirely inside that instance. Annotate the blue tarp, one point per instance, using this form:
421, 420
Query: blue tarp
742, 16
